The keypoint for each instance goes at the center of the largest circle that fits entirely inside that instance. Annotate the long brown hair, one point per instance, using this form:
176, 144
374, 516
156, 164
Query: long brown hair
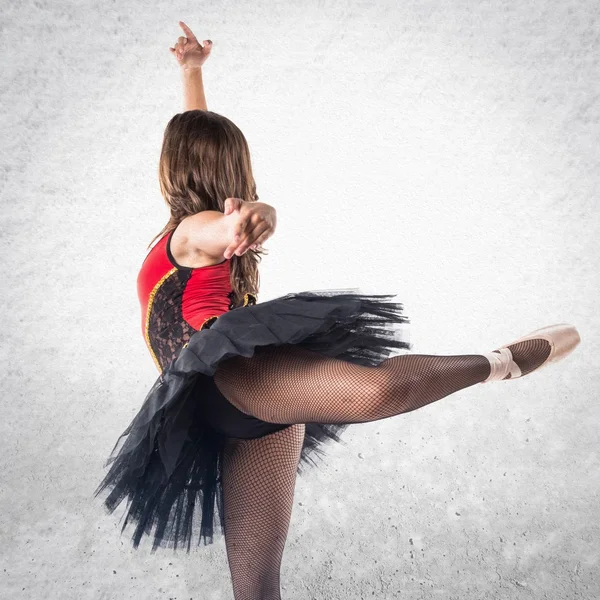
203, 161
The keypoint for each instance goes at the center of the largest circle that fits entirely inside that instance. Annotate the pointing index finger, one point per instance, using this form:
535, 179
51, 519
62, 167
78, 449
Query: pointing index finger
188, 32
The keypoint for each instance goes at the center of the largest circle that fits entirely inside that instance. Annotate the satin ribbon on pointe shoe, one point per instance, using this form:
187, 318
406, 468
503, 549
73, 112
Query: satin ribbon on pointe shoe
502, 364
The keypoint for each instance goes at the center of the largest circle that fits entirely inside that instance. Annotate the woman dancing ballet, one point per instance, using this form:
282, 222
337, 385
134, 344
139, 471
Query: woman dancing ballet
247, 391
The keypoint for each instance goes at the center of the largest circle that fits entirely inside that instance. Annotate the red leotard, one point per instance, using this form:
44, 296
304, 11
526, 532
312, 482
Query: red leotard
177, 301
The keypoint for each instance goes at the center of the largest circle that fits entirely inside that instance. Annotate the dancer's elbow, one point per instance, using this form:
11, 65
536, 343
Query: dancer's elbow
210, 232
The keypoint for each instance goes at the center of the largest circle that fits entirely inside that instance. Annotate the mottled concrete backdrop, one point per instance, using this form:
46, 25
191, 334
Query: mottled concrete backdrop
443, 152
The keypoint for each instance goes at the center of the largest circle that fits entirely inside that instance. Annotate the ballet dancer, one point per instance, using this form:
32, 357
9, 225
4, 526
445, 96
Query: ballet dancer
249, 391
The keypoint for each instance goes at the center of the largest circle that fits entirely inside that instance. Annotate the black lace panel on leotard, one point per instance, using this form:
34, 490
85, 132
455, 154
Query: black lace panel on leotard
167, 329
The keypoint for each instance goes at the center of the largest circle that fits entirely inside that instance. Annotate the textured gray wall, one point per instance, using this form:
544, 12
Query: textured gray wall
444, 152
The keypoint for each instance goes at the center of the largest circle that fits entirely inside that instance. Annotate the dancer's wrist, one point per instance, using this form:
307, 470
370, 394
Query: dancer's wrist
193, 88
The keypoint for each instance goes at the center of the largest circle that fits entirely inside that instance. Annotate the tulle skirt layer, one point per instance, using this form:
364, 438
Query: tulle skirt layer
167, 463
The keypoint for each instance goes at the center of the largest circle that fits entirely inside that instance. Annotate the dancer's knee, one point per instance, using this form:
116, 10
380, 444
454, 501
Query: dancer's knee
393, 389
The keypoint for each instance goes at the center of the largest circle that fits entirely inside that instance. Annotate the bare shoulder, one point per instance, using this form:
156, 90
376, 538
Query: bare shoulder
195, 242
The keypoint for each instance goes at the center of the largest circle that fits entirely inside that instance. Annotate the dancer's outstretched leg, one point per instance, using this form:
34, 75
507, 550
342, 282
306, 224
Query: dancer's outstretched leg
259, 477
290, 384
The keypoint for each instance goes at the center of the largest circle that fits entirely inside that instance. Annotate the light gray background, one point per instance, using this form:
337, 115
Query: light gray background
443, 152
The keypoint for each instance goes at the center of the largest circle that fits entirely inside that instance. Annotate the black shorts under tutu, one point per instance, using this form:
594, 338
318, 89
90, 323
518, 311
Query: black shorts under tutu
167, 463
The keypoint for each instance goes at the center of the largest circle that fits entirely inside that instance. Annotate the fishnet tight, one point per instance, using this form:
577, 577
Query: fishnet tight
259, 477
290, 384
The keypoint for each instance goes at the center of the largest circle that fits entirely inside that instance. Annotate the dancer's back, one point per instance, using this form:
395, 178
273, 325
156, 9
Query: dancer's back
176, 300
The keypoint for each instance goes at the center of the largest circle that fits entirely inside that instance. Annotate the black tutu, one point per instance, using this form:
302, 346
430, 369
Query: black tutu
167, 463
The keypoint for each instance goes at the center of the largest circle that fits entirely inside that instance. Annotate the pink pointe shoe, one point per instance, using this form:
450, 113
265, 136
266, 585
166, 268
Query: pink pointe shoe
554, 342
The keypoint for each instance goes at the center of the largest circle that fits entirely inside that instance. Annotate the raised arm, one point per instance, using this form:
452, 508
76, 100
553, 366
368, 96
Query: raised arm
191, 55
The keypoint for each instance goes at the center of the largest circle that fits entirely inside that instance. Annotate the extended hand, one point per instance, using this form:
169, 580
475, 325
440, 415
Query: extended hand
188, 51
257, 222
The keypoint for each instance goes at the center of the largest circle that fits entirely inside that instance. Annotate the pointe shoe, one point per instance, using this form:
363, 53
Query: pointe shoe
563, 338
